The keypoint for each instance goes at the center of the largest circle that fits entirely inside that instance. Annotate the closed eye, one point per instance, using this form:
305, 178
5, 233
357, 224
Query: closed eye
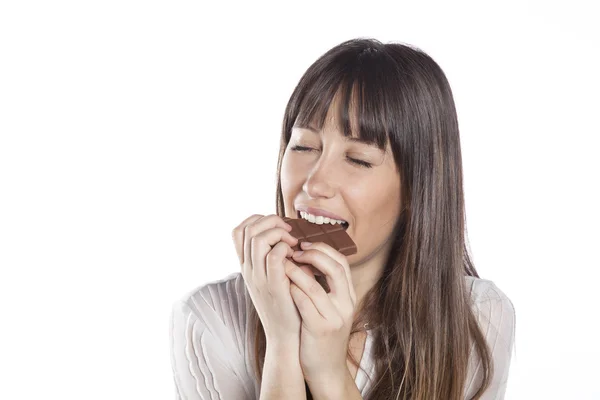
352, 160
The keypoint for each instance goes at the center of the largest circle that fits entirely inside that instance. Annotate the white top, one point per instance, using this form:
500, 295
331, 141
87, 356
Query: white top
209, 332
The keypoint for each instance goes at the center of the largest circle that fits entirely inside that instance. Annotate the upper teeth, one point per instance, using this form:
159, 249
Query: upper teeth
319, 220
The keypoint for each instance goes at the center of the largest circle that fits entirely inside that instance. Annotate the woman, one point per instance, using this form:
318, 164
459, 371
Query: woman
370, 137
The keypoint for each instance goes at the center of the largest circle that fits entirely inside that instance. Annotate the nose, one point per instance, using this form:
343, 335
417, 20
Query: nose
320, 181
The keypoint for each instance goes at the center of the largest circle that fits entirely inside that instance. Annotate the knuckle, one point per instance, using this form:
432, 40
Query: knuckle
272, 256
256, 242
249, 230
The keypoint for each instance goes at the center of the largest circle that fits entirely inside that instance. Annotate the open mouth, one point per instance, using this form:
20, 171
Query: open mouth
344, 224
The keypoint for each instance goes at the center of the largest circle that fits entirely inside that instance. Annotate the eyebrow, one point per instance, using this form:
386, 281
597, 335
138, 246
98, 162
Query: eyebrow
347, 139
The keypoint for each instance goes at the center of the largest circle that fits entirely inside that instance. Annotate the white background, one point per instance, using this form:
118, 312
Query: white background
135, 135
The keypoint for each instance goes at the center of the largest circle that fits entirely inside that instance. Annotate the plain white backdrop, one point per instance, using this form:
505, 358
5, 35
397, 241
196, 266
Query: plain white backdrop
135, 135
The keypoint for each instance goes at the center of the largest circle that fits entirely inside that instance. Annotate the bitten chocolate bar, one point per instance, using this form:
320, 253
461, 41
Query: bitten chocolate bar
334, 235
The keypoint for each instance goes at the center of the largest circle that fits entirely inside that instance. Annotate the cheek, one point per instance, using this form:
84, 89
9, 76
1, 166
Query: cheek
358, 191
374, 200
289, 178
387, 210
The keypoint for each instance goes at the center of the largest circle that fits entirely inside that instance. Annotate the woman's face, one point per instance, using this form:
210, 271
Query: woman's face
330, 175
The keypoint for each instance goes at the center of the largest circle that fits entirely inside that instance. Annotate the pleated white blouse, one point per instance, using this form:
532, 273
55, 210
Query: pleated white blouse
209, 331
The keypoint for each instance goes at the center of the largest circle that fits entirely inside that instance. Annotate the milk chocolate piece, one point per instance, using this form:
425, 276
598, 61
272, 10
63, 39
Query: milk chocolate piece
334, 235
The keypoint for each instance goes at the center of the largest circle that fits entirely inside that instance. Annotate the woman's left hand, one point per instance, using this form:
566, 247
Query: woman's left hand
326, 317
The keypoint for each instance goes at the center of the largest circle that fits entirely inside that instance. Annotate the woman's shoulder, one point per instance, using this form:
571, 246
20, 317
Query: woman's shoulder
208, 329
217, 307
495, 315
220, 287
485, 290
224, 296
493, 307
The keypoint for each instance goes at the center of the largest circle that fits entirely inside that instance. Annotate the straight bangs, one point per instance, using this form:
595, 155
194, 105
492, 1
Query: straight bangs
360, 84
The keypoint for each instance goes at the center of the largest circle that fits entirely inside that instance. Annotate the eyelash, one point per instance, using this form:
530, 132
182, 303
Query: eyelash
363, 164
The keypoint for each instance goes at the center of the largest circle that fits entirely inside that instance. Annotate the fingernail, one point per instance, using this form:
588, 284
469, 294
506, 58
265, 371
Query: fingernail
297, 253
288, 227
305, 244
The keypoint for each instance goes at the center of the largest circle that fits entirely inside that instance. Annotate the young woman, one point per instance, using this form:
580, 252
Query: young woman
370, 139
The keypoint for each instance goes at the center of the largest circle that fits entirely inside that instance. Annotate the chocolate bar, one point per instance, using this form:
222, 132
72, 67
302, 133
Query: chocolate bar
334, 235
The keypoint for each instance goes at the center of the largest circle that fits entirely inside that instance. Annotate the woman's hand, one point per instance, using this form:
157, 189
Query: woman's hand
326, 317
263, 245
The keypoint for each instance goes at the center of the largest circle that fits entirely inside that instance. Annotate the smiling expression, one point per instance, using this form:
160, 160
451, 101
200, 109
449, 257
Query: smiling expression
354, 180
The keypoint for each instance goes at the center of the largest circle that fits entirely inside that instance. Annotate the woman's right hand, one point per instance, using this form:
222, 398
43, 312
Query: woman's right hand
263, 245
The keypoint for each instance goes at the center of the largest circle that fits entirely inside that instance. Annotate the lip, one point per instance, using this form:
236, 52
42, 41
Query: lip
318, 211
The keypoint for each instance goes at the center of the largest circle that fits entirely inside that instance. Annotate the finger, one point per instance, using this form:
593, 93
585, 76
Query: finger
238, 235
334, 272
341, 260
276, 264
278, 230
263, 244
313, 290
258, 226
312, 318
307, 270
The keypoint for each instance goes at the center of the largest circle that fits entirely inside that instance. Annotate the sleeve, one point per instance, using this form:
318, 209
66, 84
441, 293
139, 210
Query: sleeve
496, 316
203, 362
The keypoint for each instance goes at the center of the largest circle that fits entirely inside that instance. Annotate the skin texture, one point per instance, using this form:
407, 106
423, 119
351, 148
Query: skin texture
367, 198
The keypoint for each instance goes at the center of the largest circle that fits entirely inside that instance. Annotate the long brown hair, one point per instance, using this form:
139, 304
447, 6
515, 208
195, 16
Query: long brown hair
419, 309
